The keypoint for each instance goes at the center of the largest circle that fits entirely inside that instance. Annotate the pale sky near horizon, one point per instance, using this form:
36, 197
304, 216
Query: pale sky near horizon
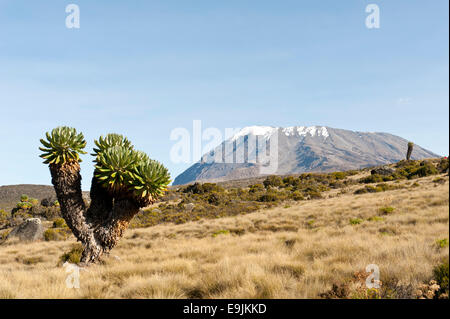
143, 68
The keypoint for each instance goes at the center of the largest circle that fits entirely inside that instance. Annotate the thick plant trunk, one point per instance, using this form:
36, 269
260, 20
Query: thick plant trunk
409, 151
98, 227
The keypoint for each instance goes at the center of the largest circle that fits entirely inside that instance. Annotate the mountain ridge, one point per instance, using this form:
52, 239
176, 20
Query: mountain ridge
300, 149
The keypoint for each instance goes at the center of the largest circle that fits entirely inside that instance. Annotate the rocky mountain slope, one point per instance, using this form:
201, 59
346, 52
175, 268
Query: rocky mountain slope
300, 149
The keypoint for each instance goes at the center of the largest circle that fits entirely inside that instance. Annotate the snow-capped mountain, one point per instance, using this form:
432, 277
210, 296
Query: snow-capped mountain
299, 149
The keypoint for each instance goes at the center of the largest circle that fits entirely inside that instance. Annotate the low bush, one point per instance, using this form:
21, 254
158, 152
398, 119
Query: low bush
355, 221
199, 188
442, 243
424, 170
297, 196
73, 255
268, 198
4, 215
56, 234
440, 273
59, 223
314, 194
220, 232
443, 165
386, 210
256, 188
273, 181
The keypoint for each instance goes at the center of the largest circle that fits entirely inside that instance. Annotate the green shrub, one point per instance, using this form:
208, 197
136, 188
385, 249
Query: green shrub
270, 197
310, 223
314, 194
215, 199
24, 198
4, 215
24, 205
443, 165
289, 180
376, 219
4, 234
386, 210
360, 191
221, 232
59, 223
33, 201
367, 189
375, 178
440, 273
338, 175
198, 188
355, 221
425, 169
50, 213
442, 243
73, 256
273, 181
256, 188
297, 196
55, 234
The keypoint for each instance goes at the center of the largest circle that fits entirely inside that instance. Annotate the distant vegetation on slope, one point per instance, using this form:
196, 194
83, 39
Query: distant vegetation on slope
209, 200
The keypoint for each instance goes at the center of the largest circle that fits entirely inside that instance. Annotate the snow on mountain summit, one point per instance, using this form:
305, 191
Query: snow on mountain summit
267, 131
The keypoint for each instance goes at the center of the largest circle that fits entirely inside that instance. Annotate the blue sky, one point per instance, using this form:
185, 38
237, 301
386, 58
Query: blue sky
143, 68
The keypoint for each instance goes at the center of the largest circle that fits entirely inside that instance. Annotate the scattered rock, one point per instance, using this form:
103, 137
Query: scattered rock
189, 207
30, 230
383, 170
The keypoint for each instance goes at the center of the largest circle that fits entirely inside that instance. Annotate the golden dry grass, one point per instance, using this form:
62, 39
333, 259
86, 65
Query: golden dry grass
293, 252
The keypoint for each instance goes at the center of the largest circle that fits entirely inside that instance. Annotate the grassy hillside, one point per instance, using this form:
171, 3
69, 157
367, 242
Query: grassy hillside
10, 194
296, 249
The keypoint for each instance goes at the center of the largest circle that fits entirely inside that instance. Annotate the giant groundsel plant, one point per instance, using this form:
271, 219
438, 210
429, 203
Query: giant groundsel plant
124, 181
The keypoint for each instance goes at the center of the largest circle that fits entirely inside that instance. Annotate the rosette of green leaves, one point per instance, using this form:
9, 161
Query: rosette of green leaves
110, 140
149, 179
63, 144
114, 167
120, 168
